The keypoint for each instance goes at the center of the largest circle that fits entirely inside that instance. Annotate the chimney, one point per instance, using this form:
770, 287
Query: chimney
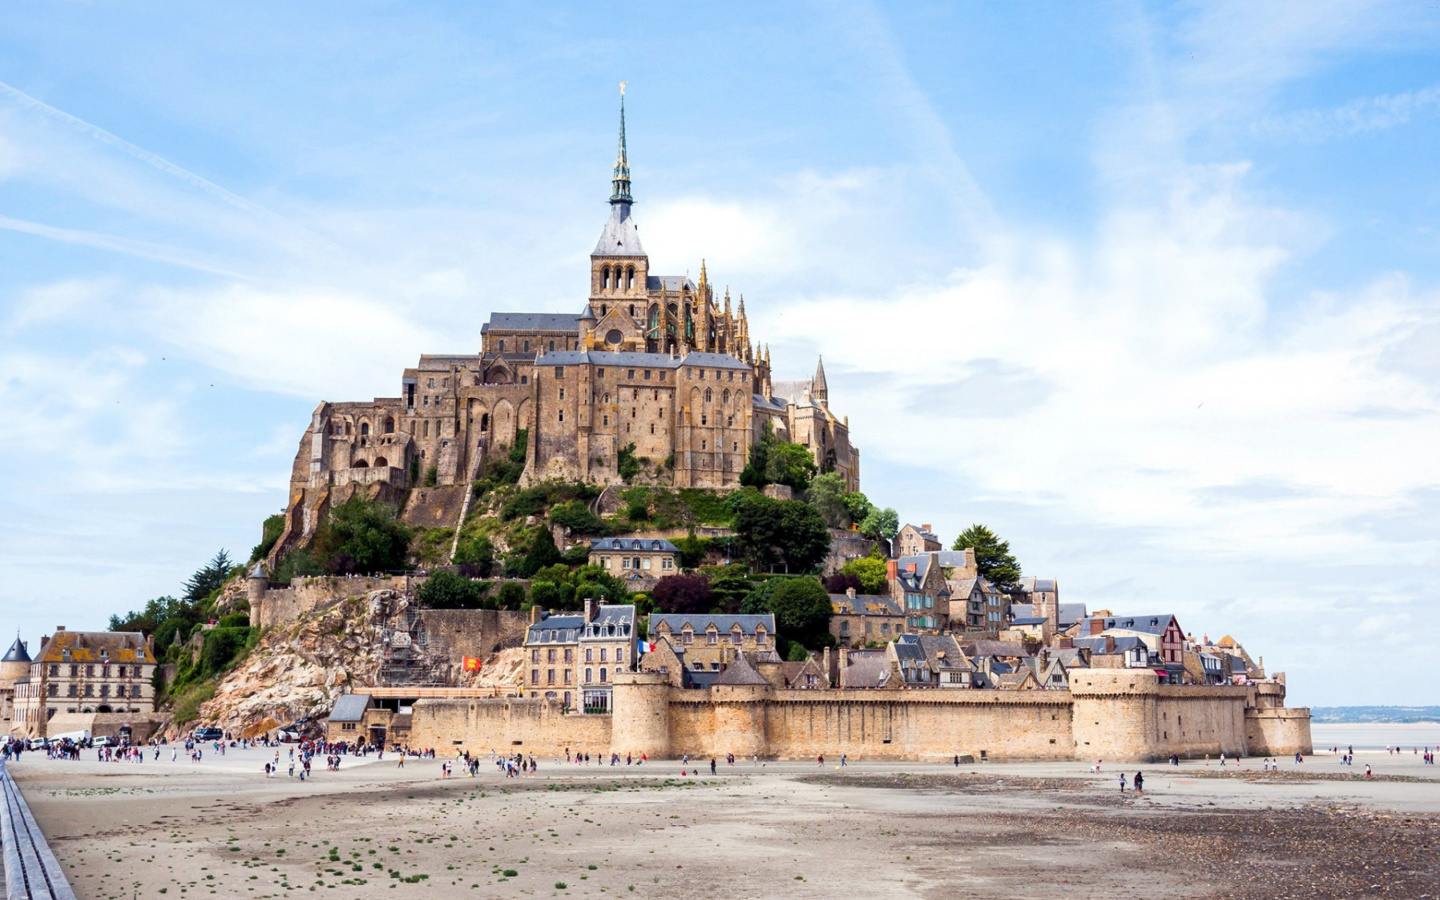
825, 661
1096, 626
534, 615
589, 610
59, 627
1109, 643
910, 568
925, 527
850, 592
892, 570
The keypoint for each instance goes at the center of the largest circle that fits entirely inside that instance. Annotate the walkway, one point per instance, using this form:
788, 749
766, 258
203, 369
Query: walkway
30, 869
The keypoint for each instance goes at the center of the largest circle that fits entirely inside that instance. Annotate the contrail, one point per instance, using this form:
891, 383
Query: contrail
143, 249
157, 162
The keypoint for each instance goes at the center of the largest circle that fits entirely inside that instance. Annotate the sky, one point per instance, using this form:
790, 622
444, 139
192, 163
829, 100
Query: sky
1151, 290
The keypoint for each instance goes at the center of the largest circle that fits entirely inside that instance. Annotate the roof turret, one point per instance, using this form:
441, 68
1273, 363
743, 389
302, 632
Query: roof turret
17, 652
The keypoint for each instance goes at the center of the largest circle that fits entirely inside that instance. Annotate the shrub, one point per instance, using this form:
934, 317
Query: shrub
269, 534
512, 595
450, 590
221, 647
685, 594
365, 532
432, 475
577, 517
187, 704
296, 564
627, 464
235, 620
476, 552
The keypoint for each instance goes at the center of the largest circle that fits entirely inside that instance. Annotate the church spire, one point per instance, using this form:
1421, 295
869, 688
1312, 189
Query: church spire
818, 389
621, 178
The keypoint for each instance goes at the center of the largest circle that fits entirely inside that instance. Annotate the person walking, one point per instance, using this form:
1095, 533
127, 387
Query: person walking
1139, 783
844, 760
712, 765
1122, 782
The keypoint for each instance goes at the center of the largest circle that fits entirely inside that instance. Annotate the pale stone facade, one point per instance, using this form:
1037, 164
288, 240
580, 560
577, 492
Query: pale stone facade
658, 367
1108, 714
84, 673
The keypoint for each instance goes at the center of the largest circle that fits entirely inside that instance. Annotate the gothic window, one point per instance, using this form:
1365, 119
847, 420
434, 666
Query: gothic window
725, 397
605, 278
709, 395
527, 346
502, 346
630, 279
552, 345
364, 429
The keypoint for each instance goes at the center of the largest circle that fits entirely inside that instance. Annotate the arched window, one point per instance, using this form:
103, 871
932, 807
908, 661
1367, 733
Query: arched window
630, 277
381, 462
725, 397
605, 278
527, 347
709, 395
389, 425
364, 429
552, 346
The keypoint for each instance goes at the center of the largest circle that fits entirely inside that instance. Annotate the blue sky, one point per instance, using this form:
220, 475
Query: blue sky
1149, 289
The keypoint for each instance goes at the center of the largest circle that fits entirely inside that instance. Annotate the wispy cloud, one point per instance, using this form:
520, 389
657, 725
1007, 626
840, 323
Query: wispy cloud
1354, 118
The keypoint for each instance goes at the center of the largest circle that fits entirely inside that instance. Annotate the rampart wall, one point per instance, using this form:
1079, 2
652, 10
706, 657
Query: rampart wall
1113, 715
281, 606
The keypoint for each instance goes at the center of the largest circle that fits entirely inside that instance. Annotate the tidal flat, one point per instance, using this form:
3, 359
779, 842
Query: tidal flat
796, 829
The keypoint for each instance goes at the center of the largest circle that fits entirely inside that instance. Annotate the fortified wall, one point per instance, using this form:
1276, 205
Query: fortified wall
1107, 714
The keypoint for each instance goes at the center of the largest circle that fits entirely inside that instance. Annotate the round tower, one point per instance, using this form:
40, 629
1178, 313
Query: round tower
256, 586
1114, 713
740, 720
640, 722
16, 663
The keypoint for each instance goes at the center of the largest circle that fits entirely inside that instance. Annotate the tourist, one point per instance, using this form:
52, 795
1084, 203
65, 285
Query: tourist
1367, 770
1139, 783
844, 760
957, 760
1122, 782
712, 765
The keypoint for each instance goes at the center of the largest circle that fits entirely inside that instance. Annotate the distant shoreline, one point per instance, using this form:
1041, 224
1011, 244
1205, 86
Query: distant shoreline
1375, 715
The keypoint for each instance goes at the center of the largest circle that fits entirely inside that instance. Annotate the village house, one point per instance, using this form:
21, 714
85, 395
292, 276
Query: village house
920, 589
84, 673
1144, 641
632, 559
572, 656
916, 540
860, 619
931, 661
707, 643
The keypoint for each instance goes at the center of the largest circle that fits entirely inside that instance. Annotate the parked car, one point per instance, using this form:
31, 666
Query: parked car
208, 734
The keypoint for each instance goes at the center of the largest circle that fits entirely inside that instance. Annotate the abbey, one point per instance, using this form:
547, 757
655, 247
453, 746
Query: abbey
656, 368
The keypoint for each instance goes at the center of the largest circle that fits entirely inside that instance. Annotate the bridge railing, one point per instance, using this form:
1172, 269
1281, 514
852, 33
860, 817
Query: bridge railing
31, 870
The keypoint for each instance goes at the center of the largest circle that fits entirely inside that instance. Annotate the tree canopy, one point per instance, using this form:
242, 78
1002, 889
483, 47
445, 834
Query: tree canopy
773, 461
688, 594
869, 571
362, 535
881, 524
993, 558
836, 504
450, 590
801, 607
208, 578
780, 532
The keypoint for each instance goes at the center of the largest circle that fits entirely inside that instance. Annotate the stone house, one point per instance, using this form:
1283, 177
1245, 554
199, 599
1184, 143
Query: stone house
916, 540
860, 619
86, 673
709, 642
1161, 635
575, 657
920, 589
867, 670
931, 661
635, 558
976, 605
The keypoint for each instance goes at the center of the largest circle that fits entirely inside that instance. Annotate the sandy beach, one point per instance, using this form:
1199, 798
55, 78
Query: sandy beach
220, 828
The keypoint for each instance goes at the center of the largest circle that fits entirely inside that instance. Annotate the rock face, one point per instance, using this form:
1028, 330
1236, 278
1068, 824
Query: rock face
297, 671
379, 637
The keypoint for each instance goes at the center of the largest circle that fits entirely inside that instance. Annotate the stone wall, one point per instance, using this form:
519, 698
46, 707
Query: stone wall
507, 726
282, 606
458, 633
1109, 714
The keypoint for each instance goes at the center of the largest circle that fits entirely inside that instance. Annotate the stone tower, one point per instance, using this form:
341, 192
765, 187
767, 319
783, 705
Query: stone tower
618, 266
16, 662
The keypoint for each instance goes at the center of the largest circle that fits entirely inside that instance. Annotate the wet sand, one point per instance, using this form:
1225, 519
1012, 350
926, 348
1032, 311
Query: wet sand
1041, 830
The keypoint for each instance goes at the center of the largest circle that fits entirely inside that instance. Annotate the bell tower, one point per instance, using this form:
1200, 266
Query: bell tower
618, 265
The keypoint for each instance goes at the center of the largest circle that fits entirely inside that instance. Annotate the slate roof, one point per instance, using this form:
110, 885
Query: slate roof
17, 652
867, 670
525, 321
701, 623
639, 360
994, 648
671, 283
350, 707
950, 559
1122, 642
555, 630
1144, 624
740, 673
864, 605
646, 545
620, 237
1029, 620
1068, 614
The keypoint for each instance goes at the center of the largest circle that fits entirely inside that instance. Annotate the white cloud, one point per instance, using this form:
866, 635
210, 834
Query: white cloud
1356, 117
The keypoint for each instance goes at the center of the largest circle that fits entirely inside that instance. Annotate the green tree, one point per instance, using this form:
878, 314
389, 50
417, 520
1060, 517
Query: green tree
362, 535
545, 594
870, 571
208, 578
542, 553
269, 533
627, 465
801, 608
993, 558
881, 524
827, 494
476, 552
512, 595
446, 589
773, 461
729, 586
781, 532
577, 517
692, 550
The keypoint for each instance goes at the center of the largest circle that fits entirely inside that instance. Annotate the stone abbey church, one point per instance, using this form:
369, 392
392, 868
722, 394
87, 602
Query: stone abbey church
654, 361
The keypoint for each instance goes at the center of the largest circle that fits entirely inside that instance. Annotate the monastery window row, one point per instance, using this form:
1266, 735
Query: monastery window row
618, 278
